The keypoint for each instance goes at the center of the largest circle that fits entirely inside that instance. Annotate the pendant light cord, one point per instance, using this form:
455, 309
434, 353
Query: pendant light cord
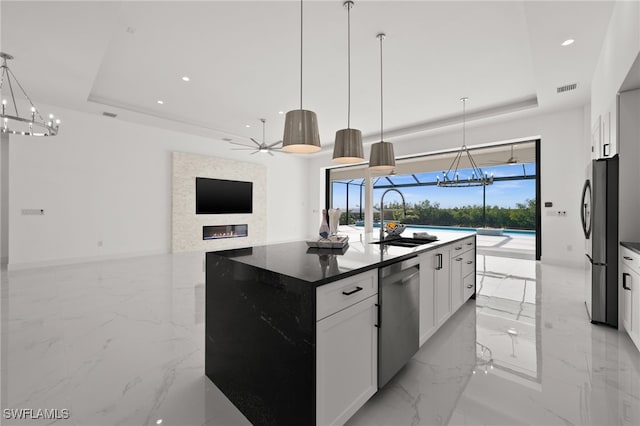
301, 17
348, 66
381, 37
464, 121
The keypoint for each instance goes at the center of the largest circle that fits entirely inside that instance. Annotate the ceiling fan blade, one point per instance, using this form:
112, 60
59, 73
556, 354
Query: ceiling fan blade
241, 144
270, 153
243, 149
274, 144
255, 141
254, 152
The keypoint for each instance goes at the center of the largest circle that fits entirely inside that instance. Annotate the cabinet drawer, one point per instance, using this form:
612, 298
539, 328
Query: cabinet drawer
630, 258
469, 285
462, 246
333, 297
468, 263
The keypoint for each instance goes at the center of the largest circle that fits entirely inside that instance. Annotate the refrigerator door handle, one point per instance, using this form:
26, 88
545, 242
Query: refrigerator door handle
584, 212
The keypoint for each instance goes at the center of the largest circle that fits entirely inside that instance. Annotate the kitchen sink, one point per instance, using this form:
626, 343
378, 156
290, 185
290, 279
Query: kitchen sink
404, 242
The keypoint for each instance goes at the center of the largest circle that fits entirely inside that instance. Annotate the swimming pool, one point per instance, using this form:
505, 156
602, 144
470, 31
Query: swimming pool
417, 228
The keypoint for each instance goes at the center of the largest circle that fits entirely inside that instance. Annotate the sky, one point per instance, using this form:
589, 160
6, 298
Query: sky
502, 194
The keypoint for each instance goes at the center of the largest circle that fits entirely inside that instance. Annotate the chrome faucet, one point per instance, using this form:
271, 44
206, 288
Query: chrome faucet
404, 210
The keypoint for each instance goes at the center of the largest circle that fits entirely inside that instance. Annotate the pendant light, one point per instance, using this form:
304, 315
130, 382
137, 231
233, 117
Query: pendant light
348, 146
451, 178
300, 125
382, 157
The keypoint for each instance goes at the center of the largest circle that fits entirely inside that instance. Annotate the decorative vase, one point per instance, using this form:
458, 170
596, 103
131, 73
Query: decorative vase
324, 227
334, 221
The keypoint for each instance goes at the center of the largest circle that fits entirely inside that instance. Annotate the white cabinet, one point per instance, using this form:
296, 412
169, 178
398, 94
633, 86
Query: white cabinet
596, 139
346, 347
442, 284
457, 261
462, 266
604, 136
447, 280
630, 289
428, 264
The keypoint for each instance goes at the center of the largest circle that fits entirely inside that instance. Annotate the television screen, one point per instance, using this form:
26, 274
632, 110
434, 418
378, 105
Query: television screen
218, 196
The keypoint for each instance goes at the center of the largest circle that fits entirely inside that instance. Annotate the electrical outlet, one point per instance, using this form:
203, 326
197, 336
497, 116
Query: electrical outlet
32, 212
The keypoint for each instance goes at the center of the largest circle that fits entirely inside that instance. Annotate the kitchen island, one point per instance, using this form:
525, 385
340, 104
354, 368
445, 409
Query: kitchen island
291, 332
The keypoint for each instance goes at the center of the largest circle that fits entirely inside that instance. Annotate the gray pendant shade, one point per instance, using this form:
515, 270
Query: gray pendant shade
301, 132
348, 147
382, 157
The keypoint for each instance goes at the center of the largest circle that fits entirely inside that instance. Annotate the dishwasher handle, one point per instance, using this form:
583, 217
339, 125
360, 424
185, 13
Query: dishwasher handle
408, 278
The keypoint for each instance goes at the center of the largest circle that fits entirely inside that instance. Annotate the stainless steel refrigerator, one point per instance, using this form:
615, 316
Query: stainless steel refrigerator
599, 216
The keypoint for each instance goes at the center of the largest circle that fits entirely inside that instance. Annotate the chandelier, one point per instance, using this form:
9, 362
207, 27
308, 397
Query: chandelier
452, 178
484, 359
29, 124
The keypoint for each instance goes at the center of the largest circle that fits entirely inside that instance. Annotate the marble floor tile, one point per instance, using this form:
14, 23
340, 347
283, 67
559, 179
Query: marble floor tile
121, 342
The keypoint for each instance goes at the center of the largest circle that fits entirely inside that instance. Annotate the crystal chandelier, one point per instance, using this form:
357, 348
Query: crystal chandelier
11, 121
452, 178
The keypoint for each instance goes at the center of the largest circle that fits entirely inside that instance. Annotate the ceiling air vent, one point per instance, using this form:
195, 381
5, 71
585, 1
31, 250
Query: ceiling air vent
109, 114
567, 88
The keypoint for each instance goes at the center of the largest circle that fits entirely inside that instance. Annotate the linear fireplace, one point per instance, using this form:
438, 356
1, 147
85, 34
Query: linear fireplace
224, 231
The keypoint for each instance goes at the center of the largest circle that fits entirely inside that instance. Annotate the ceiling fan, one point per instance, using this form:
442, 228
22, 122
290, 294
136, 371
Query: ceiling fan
260, 147
512, 159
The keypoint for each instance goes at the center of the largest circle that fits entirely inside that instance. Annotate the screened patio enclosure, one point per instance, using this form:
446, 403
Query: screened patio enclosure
510, 202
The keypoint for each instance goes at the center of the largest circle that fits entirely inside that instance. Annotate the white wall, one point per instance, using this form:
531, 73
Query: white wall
4, 198
619, 49
187, 226
563, 163
106, 180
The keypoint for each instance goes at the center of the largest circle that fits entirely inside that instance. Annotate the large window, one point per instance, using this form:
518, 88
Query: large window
510, 202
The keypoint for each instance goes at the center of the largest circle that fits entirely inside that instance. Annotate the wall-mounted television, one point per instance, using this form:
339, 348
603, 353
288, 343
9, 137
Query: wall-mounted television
219, 196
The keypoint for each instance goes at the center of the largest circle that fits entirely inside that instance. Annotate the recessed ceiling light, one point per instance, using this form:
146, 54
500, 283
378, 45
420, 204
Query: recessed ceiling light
247, 125
280, 112
161, 102
185, 78
568, 42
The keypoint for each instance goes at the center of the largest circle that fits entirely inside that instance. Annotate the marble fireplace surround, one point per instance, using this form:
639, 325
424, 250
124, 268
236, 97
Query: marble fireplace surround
187, 226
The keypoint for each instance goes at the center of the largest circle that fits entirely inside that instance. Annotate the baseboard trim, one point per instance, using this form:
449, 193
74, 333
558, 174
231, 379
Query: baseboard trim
76, 260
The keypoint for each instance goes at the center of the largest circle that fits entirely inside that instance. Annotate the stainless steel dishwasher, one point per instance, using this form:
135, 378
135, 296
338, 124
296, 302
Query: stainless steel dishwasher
399, 321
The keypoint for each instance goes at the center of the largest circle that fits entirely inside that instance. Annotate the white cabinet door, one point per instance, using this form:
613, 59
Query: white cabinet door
346, 361
456, 281
635, 309
596, 139
442, 284
627, 294
428, 263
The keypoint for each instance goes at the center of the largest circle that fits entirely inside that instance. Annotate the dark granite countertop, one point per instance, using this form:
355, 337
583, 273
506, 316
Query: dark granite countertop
631, 246
296, 260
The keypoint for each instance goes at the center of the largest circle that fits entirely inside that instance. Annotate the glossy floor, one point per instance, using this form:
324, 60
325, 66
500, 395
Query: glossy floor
121, 343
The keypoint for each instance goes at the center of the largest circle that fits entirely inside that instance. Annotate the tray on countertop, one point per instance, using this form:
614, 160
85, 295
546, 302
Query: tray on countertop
336, 242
